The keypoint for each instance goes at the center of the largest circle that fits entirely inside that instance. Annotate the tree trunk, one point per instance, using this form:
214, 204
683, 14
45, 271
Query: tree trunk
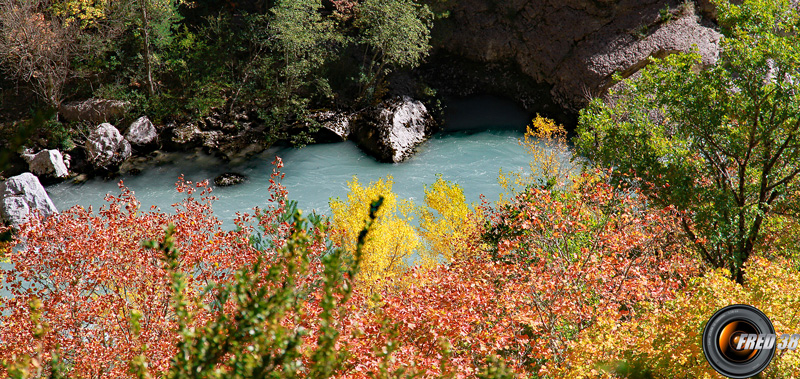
146, 30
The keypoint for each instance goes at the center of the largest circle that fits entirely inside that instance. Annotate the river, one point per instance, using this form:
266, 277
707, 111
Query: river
480, 136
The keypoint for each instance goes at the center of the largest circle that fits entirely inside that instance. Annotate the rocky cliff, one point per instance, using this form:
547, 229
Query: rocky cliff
575, 46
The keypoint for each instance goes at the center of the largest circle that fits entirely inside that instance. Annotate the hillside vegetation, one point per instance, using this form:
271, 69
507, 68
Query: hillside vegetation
685, 202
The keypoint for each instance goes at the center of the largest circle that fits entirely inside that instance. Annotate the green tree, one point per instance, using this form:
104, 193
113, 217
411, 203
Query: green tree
303, 40
720, 144
154, 19
396, 34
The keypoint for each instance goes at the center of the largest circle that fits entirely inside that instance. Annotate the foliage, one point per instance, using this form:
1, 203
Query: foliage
594, 250
260, 333
665, 341
36, 47
719, 143
92, 276
388, 252
276, 294
397, 30
176, 60
34, 364
448, 225
588, 252
153, 20
87, 13
52, 44
550, 166
396, 34
303, 40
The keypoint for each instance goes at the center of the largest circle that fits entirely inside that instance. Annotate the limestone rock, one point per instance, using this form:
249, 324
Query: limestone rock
141, 132
229, 179
185, 134
20, 196
93, 110
334, 126
106, 147
48, 163
392, 130
575, 46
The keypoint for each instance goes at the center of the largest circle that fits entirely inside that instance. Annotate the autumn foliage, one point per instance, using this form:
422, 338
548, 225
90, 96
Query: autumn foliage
90, 272
580, 279
393, 243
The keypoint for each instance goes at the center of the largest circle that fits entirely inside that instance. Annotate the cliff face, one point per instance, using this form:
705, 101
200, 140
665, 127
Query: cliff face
575, 45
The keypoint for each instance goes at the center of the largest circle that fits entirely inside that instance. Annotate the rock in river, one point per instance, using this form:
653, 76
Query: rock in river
229, 179
20, 196
47, 163
141, 132
106, 148
392, 130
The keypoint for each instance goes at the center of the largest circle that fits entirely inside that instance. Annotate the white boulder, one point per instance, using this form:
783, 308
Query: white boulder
20, 196
391, 131
47, 163
106, 147
141, 132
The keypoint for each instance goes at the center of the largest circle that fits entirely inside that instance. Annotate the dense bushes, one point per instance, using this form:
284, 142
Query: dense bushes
717, 143
106, 301
592, 274
664, 341
555, 281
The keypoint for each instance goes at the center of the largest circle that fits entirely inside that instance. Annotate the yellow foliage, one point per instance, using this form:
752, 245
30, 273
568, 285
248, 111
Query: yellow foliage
85, 12
447, 223
391, 242
550, 165
664, 341
448, 227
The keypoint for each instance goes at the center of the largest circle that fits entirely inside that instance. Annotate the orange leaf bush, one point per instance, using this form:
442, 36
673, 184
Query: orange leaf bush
91, 273
556, 263
545, 272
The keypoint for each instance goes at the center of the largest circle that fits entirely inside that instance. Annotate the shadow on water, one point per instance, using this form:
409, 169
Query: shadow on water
482, 113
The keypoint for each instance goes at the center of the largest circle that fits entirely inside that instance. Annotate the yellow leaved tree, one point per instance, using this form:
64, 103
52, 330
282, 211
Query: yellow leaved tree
391, 242
447, 228
665, 341
550, 164
86, 13
449, 225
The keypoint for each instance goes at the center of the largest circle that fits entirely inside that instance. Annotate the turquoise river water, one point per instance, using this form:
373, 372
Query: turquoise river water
479, 138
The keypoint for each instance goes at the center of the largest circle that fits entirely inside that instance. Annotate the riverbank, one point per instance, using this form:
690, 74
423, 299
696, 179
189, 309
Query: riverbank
469, 151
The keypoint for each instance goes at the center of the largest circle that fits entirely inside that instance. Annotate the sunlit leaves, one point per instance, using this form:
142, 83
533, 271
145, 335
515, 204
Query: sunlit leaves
91, 274
448, 224
558, 262
718, 143
545, 142
664, 341
397, 30
302, 38
393, 241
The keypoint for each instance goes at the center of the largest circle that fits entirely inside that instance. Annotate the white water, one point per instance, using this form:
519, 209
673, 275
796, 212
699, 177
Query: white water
480, 137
